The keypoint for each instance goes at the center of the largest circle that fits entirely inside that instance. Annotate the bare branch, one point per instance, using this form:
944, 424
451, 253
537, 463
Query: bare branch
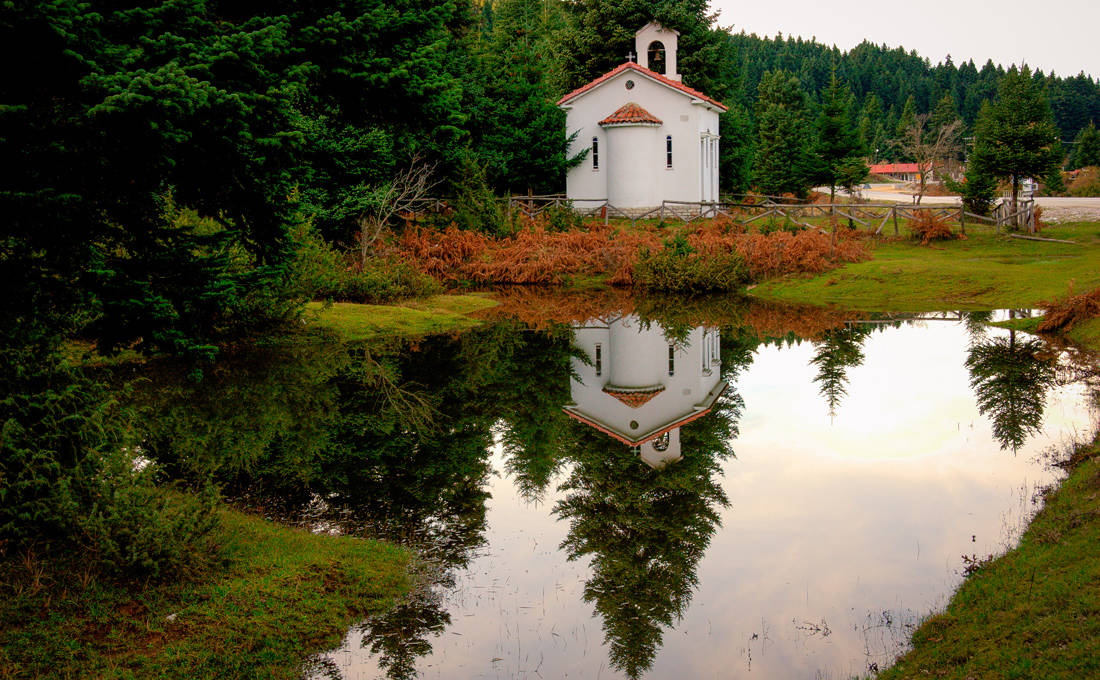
928, 148
399, 195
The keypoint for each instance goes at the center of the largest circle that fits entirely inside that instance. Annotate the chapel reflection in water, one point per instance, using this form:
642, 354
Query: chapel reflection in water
641, 396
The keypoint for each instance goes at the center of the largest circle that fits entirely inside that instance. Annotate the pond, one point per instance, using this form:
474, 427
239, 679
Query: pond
754, 491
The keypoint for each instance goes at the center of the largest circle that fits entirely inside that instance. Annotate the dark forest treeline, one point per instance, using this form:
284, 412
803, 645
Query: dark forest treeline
893, 75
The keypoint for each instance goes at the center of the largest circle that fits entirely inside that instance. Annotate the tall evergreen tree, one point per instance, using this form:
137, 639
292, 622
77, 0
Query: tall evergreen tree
516, 126
907, 117
736, 150
1015, 137
837, 150
783, 162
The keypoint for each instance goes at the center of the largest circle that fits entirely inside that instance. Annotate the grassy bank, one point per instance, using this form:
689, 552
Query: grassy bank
1034, 612
281, 595
983, 272
437, 314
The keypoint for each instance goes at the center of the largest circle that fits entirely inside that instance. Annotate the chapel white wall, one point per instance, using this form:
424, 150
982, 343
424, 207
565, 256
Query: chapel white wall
686, 122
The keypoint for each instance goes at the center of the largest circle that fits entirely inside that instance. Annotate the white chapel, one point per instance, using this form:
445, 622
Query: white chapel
639, 387
649, 137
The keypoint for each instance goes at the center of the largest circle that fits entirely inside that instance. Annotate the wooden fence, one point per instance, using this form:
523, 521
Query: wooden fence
874, 217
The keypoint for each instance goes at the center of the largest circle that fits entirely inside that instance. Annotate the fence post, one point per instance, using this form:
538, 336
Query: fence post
962, 220
895, 211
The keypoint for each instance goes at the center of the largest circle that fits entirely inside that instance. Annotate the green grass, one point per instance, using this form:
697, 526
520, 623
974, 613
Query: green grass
1033, 612
1086, 333
1029, 325
438, 314
983, 272
283, 594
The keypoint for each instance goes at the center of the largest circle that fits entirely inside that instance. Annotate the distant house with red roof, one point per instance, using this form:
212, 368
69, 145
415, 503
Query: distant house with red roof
648, 136
901, 172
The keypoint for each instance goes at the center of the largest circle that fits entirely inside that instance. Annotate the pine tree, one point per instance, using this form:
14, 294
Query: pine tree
1086, 148
783, 161
602, 33
735, 150
516, 127
1015, 137
837, 148
944, 114
907, 117
870, 126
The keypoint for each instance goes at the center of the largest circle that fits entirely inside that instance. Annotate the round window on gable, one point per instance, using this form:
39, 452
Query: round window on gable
630, 84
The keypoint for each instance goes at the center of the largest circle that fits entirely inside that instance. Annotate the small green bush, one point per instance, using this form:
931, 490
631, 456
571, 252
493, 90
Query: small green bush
476, 207
772, 225
562, 218
678, 268
384, 280
129, 526
320, 272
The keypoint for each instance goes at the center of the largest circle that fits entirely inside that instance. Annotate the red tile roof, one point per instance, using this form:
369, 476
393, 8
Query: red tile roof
893, 168
631, 66
575, 415
631, 113
634, 398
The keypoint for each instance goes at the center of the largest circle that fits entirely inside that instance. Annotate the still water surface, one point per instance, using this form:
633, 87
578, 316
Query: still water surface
697, 501
640, 488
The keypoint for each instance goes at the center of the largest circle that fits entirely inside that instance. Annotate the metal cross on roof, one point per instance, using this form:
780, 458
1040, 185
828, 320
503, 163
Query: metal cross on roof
630, 56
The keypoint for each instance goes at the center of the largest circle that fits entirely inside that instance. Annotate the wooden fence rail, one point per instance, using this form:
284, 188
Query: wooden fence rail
872, 216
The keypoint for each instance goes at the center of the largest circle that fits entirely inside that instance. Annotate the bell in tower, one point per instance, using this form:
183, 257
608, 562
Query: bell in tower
655, 46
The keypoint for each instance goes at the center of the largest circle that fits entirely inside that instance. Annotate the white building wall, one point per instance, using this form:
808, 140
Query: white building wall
686, 122
630, 148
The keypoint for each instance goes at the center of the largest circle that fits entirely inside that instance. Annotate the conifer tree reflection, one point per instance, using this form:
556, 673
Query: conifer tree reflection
401, 635
536, 436
840, 350
977, 324
645, 528
1010, 378
422, 480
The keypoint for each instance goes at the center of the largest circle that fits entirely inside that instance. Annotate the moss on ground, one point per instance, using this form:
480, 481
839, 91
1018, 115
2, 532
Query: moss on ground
985, 271
282, 594
438, 314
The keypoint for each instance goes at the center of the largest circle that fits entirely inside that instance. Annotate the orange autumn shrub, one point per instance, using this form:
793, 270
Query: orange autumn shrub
928, 227
1062, 315
536, 255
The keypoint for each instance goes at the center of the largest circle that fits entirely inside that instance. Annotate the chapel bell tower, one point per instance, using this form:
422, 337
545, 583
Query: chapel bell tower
655, 46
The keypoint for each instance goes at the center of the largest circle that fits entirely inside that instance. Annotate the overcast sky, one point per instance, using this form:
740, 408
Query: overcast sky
1063, 35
